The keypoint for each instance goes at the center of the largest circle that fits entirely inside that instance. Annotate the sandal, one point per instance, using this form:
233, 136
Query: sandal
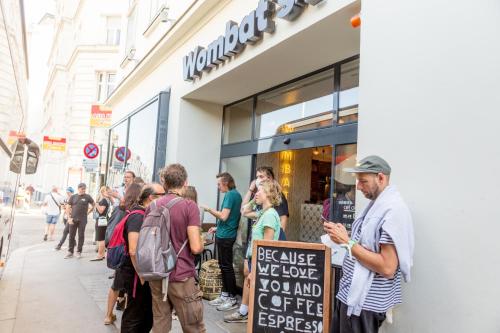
110, 320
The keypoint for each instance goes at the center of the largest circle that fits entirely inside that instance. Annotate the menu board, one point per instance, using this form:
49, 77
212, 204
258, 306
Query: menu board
290, 291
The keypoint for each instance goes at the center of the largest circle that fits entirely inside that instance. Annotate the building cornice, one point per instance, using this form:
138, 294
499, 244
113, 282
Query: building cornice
77, 51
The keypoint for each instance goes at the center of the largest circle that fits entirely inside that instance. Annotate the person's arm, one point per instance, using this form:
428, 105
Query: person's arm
283, 221
268, 233
384, 263
248, 196
222, 215
92, 205
100, 208
194, 237
133, 238
247, 211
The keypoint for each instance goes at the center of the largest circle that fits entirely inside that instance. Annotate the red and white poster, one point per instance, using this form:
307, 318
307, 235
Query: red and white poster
100, 116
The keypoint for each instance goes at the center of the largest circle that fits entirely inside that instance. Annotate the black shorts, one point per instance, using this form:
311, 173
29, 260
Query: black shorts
100, 233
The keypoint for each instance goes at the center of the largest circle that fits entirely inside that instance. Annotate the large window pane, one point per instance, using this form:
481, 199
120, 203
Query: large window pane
344, 186
302, 105
349, 90
238, 122
118, 139
141, 142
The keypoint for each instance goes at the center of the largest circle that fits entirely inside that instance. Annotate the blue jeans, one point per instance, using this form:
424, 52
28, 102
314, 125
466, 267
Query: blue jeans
52, 219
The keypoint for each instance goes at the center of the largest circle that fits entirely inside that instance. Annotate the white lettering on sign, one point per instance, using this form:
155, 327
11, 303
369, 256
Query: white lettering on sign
250, 30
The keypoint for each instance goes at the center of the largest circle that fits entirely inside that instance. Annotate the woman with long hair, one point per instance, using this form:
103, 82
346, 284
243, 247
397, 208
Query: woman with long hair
138, 315
267, 226
104, 203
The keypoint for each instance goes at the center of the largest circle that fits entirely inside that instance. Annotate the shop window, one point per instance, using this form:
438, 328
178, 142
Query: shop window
118, 138
343, 196
349, 90
113, 30
238, 122
142, 136
302, 105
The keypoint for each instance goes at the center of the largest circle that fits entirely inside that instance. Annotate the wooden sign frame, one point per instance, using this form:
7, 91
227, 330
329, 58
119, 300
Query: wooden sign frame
293, 245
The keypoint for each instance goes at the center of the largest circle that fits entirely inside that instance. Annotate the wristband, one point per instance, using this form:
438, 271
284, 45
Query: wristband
348, 246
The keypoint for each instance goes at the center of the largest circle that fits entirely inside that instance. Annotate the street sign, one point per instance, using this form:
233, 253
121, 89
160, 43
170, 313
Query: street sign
90, 165
91, 150
54, 143
123, 154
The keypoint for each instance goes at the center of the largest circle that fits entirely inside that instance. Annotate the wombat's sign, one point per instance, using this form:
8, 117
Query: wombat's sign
291, 288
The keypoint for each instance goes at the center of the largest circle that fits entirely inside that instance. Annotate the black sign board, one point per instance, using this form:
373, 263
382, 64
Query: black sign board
290, 291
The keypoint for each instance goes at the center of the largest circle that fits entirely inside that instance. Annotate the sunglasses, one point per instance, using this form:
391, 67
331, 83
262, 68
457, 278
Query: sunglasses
158, 194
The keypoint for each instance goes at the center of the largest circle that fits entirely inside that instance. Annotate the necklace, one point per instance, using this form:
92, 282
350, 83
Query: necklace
174, 193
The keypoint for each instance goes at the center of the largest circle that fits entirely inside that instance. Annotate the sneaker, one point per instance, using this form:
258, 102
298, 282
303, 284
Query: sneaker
236, 317
68, 255
216, 302
229, 304
78, 255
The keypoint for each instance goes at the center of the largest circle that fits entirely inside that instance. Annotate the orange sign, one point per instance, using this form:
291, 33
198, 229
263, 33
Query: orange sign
100, 116
54, 143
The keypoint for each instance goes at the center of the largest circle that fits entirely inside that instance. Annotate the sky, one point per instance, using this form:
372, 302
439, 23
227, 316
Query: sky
39, 42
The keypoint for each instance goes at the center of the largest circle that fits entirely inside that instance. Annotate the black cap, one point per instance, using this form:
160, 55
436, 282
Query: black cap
82, 185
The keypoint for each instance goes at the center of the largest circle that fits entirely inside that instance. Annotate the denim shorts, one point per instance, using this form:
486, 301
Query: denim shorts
52, 219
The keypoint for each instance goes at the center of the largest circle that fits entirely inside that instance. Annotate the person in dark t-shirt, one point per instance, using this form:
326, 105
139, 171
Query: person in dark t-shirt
79, 206
266, 173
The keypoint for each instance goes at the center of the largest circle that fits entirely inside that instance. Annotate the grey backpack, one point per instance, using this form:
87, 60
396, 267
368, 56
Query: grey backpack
156, 256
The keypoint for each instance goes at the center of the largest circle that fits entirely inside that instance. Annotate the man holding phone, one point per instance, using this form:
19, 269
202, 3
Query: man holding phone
379, 251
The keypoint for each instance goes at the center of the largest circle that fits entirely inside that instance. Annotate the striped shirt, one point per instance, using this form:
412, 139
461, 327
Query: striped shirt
384, 293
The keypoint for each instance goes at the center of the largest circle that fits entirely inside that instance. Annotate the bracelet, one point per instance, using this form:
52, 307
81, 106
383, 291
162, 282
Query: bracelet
348, 246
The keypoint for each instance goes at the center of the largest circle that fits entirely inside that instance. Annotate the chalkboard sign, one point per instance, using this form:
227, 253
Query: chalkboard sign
290, 291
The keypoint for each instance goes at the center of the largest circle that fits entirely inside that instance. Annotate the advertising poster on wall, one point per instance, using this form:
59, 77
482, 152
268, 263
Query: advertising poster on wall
100, 116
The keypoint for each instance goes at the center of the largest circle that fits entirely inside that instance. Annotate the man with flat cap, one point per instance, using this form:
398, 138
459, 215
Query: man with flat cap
379, 252
79, 206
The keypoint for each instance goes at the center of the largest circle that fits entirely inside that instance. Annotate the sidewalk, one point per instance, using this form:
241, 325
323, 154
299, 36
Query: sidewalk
40, 291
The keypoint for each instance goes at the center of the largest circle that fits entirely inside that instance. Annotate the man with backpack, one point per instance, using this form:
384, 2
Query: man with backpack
178, 287
52, 202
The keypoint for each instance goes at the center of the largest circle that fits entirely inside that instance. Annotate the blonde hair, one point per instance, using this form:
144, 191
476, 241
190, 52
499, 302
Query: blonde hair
272, 190
101, 190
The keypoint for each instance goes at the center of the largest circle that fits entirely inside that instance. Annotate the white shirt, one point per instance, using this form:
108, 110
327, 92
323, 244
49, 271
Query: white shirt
52, 208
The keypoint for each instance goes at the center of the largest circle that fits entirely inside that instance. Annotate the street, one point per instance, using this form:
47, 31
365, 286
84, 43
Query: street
40, 291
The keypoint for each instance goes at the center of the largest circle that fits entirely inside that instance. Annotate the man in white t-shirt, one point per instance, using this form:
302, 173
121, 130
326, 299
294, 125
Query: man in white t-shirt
52, 204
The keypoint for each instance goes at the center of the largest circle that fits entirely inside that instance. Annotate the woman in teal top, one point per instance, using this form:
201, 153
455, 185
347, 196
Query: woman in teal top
267, 227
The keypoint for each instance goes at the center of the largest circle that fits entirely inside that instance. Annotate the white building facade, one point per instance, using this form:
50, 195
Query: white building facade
82, 72
232, 85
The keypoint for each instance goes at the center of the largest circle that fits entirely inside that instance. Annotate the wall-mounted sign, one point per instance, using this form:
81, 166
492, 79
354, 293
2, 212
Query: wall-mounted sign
123, 154
100, 116
236, 37
90, 165
54, 143
91, 150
